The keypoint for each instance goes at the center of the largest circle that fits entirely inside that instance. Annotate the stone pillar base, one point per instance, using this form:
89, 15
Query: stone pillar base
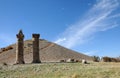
36, 61
20, 62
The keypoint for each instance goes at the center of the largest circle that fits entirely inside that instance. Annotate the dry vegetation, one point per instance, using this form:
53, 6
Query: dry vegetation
61, 70
50, 52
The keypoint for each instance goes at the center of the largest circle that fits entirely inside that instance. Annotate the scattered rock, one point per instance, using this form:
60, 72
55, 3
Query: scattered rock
70, 60
84, 61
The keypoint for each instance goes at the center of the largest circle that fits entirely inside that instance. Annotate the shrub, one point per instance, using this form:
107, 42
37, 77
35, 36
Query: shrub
61, 61
5, 64
77, 61
96, 58
106, 59
109, 59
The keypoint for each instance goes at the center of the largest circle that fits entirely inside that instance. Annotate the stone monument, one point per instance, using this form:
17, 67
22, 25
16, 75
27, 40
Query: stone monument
20, 48
35, 39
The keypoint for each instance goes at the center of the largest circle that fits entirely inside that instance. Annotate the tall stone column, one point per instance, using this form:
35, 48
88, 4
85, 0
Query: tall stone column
35, 39
20, 48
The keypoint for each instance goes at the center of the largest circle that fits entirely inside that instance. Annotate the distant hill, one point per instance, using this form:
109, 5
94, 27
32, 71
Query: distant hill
49, 52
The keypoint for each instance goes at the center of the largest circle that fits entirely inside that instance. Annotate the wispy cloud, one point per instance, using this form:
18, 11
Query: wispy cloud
114, 16
91, 52
100, 17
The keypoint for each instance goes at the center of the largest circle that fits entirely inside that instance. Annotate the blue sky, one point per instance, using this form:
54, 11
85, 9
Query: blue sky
91, 27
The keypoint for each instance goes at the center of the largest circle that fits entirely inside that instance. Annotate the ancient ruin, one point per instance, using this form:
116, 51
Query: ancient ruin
49, 49
19, 48
35, 39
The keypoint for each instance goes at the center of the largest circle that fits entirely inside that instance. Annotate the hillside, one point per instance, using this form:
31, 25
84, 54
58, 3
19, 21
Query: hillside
49, 52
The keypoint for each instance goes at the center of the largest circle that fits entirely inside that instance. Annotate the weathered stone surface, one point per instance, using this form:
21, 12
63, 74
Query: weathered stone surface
35, 39
19, 48
70, 60
84, 61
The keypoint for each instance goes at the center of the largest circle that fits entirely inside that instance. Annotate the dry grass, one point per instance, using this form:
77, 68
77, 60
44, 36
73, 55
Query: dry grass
61, 70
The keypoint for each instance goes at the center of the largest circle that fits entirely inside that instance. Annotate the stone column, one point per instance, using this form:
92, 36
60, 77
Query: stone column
35, 39
20, 48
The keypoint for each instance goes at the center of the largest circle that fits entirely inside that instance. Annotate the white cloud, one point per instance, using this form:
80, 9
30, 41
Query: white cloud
60, 40
95, 20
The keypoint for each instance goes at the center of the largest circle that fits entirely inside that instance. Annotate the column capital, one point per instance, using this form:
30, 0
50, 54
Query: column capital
35, 35
20, 34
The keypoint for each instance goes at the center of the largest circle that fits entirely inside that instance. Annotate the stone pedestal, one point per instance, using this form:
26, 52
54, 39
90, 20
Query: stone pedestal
20, 48
35, 39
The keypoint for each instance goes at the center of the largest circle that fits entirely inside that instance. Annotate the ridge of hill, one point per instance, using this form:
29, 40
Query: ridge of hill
49, 52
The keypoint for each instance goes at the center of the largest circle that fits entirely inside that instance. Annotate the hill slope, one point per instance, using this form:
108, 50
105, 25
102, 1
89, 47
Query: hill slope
49, 52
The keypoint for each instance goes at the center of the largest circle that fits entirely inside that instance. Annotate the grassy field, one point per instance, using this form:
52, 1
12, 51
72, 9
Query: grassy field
61, 70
